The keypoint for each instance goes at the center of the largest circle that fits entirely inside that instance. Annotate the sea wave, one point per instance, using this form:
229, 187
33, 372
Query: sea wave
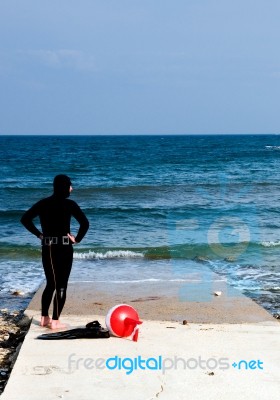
272, 288
189, 251
150, 280
273, 147
110, 254
271, 244
12, 214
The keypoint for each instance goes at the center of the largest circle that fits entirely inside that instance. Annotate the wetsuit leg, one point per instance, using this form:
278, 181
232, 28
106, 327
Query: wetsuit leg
57, 266
50, 281
63, 263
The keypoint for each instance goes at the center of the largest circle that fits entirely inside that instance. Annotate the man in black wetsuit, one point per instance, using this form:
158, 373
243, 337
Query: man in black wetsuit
55, 214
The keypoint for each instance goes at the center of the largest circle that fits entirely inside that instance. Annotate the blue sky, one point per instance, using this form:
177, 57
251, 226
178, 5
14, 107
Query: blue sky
139, 67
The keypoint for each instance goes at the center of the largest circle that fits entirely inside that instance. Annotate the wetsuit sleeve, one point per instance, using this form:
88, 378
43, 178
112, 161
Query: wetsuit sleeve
82, 220
27, 219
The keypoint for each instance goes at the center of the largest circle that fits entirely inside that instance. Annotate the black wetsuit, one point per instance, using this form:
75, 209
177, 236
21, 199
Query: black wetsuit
55, 214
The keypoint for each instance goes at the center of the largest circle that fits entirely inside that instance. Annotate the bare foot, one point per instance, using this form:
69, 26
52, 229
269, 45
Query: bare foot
45, 321
56, 324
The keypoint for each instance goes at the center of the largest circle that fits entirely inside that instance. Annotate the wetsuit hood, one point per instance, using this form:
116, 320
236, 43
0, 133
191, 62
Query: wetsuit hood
61, 186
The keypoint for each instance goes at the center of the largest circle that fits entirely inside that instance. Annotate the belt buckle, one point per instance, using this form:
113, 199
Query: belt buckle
65, 240
49, 240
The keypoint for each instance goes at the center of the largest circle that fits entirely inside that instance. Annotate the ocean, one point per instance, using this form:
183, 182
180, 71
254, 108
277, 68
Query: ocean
161, 209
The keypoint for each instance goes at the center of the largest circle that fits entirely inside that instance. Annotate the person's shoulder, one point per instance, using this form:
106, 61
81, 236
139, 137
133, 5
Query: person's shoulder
45, 200
73, 206
71, 203
39, 202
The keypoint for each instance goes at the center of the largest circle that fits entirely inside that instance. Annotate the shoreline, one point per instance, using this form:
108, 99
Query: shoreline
160, 302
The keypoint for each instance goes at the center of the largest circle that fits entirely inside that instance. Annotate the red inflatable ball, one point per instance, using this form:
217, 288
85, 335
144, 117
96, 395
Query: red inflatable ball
122, 320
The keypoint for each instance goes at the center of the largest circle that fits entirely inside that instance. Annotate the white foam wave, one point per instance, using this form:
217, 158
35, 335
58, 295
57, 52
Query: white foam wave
151, 280
273, 147
110, 254
270, 244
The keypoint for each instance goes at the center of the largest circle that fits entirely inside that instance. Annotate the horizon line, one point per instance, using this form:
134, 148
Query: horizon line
136, 134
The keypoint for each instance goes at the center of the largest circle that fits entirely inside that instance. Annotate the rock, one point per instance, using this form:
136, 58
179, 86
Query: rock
17, 293
185, 322
217, 293
24, 322
230, 259
200, 258
13, 327
13, 356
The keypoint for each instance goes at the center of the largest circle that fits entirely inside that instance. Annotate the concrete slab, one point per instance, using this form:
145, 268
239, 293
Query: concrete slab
170, 361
